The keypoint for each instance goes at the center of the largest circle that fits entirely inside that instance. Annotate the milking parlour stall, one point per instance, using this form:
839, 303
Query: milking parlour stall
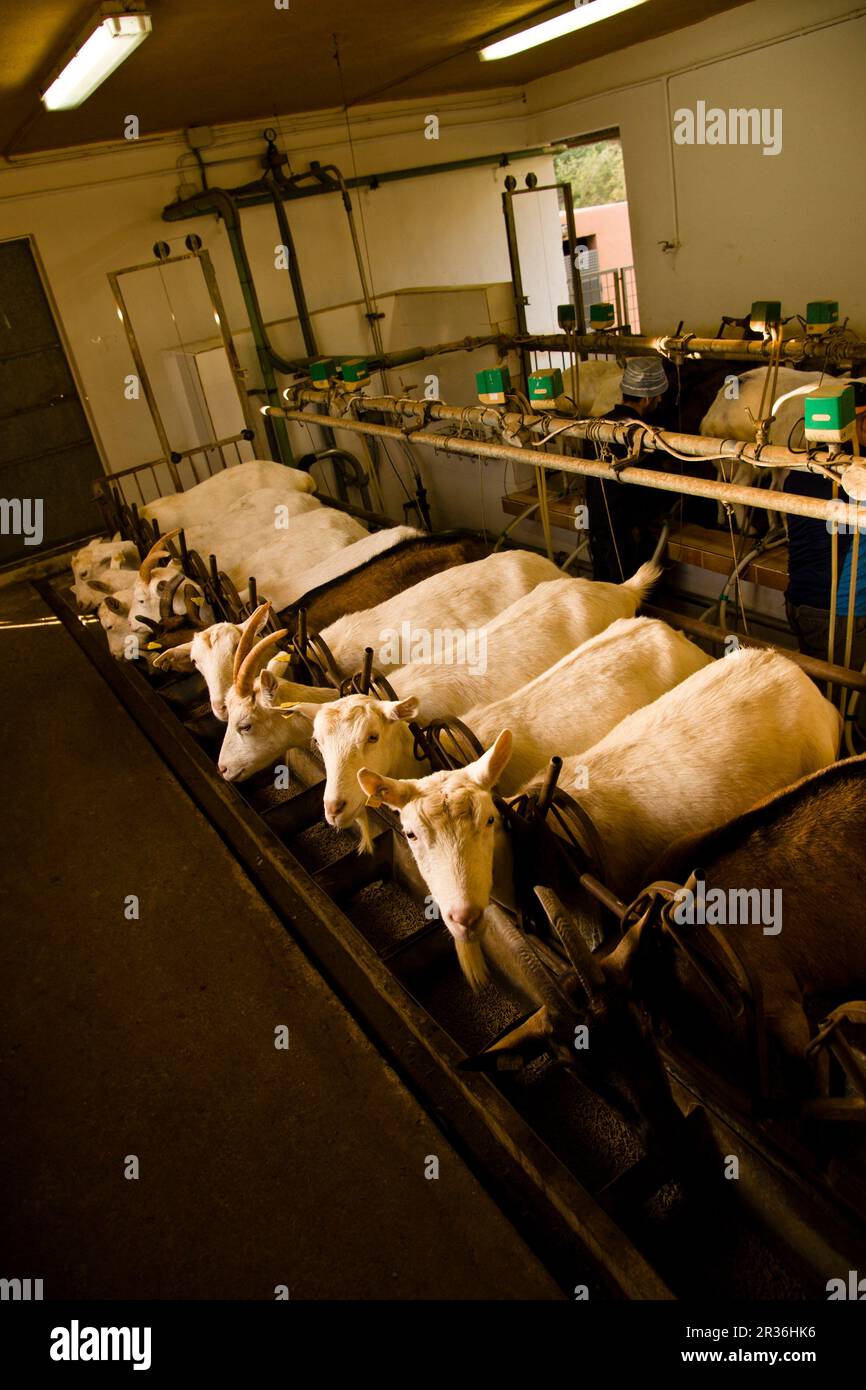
433, 599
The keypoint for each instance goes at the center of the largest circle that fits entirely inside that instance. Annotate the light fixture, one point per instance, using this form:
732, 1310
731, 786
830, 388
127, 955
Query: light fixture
585, 13
113, 33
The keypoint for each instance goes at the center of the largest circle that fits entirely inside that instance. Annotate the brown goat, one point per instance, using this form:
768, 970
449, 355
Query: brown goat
386, 575
807, 841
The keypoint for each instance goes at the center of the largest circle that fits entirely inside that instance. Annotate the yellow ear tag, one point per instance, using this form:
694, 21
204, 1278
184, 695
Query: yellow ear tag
373, 801
288, 706
282, 657
154, 647
193, 598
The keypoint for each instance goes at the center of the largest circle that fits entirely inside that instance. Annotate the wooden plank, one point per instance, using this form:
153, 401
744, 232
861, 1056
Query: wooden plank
686, 545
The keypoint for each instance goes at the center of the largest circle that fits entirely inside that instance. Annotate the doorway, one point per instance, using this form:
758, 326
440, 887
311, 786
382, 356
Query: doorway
593, 167
48, 458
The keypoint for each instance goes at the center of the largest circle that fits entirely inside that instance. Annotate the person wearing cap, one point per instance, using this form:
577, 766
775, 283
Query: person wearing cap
622, 517
807, 598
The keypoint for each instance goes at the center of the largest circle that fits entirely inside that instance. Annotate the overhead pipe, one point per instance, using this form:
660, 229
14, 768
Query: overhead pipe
629, 434
820, 348
733, 494
254, 193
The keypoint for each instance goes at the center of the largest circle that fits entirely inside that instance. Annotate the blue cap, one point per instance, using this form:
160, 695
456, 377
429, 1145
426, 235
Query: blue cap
643, 376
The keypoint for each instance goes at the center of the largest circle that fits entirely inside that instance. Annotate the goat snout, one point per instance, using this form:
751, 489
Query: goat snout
221, 711
333, 810
465, 915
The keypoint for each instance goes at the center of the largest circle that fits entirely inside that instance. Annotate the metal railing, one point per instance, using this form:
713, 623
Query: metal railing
144, 483
616, 286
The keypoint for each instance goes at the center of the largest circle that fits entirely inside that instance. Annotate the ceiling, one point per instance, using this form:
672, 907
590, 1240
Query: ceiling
228, 60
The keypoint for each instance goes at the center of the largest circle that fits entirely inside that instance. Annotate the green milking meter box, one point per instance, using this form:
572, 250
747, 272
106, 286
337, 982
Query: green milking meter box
566, 317
322, 371
821, 314
545, 385
601, 315
355, 370
829, 413
492, 385
764, 312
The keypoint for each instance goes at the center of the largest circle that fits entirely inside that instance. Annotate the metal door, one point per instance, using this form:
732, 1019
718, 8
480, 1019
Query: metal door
47, 455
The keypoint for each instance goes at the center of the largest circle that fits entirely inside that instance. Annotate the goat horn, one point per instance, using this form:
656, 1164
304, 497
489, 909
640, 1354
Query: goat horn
166, 598
193, 611
247, 673
248, 636
156, 552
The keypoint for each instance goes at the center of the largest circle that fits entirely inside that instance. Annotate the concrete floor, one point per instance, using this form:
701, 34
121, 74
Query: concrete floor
155, 1038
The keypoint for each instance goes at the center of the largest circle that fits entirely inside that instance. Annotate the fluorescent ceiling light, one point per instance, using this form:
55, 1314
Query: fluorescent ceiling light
112, 37
584, 14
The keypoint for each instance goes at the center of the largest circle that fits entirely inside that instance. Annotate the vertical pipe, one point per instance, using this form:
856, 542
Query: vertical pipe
516, 281
577, 285
293, 268
367, 670
551, 777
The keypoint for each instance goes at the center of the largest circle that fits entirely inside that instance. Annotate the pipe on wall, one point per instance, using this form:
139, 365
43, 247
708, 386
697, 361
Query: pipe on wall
254, 193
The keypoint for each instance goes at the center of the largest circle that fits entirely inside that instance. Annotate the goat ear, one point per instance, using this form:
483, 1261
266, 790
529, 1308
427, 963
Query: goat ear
175, 658
400, 709
116, 606
307, 710
267, 686
99, 585
488, 769
391, 790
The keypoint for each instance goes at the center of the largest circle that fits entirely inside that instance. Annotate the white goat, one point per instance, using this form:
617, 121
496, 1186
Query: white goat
283, 560
212, 651
450, 606
216, 653
736, 419
258, 731
156, 589
736, 731
216, 494
568, 707
100, 568
523, 640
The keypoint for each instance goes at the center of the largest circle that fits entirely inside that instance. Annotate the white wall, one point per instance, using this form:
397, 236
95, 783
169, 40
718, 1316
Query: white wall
750, 226
95, 211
